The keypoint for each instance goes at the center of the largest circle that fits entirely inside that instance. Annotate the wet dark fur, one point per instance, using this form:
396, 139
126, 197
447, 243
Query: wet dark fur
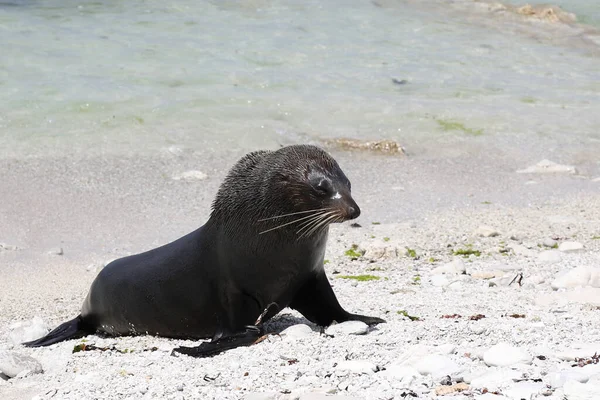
217, 281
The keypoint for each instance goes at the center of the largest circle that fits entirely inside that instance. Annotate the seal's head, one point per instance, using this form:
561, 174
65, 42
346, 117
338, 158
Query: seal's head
298, 188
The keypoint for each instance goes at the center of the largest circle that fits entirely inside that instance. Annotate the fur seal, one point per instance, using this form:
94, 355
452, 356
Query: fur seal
261, 250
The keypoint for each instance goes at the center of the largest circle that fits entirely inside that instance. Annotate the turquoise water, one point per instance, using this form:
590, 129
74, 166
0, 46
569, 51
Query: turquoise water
139, 76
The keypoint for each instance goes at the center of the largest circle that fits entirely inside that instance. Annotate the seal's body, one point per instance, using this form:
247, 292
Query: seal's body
261, 250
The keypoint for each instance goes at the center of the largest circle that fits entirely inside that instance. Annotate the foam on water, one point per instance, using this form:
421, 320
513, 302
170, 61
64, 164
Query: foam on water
137, 76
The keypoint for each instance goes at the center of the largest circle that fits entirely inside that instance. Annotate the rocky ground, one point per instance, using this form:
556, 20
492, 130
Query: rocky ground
486, 299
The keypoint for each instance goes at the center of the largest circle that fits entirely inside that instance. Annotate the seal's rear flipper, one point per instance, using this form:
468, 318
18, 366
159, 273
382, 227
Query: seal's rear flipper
251, 335
72, 329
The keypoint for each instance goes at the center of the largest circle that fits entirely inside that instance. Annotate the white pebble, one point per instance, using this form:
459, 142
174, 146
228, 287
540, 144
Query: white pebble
403, 374
546, 167
297, 331
437, 366
549, 257
440, 280
503, 355
456, 267
577, 277
56, 251
357, 367
579, 350
574, 390
486, 231
524, 390
13, 364
570, 247
27, 330
192, 175
495, 379
558, 379
348, 328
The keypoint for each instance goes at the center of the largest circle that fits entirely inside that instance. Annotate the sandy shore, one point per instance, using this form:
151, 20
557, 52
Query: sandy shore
101, 208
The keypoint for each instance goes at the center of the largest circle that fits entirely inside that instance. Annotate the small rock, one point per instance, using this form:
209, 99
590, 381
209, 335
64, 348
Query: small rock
8, 247
13, 364
26, 331
484, 274
56, 251
486, 231
579, 350
437, 366
536, 279
440, 280
192, 175
504, 355
456, 267
566, 247
323, 396
347, 328
404, 374
548, 167
477, 329
550, 243
521, 250
357, 367
558, 379
298, 331
578, 277
523, 390
549, 257
495, 379
574, 390
457, 388
380, 250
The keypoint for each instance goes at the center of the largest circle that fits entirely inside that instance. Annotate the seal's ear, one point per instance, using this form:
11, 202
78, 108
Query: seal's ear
283, 177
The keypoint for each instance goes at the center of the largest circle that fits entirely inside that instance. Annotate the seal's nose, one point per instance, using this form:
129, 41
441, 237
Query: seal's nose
353, 211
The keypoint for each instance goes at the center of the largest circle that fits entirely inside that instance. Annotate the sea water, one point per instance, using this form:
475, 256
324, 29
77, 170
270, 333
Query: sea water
139, 76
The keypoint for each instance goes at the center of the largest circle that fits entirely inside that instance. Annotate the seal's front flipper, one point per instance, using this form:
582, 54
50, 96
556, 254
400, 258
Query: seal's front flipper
317, 302
208, 349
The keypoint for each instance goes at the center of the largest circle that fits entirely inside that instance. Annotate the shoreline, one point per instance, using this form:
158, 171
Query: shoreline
114, 208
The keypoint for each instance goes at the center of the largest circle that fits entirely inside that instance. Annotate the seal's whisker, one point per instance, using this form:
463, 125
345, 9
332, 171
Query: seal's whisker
307, 224
322, 224
305, 230
294, 213
289, 223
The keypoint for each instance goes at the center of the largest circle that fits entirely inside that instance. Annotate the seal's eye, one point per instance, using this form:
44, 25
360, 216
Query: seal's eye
323, 187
